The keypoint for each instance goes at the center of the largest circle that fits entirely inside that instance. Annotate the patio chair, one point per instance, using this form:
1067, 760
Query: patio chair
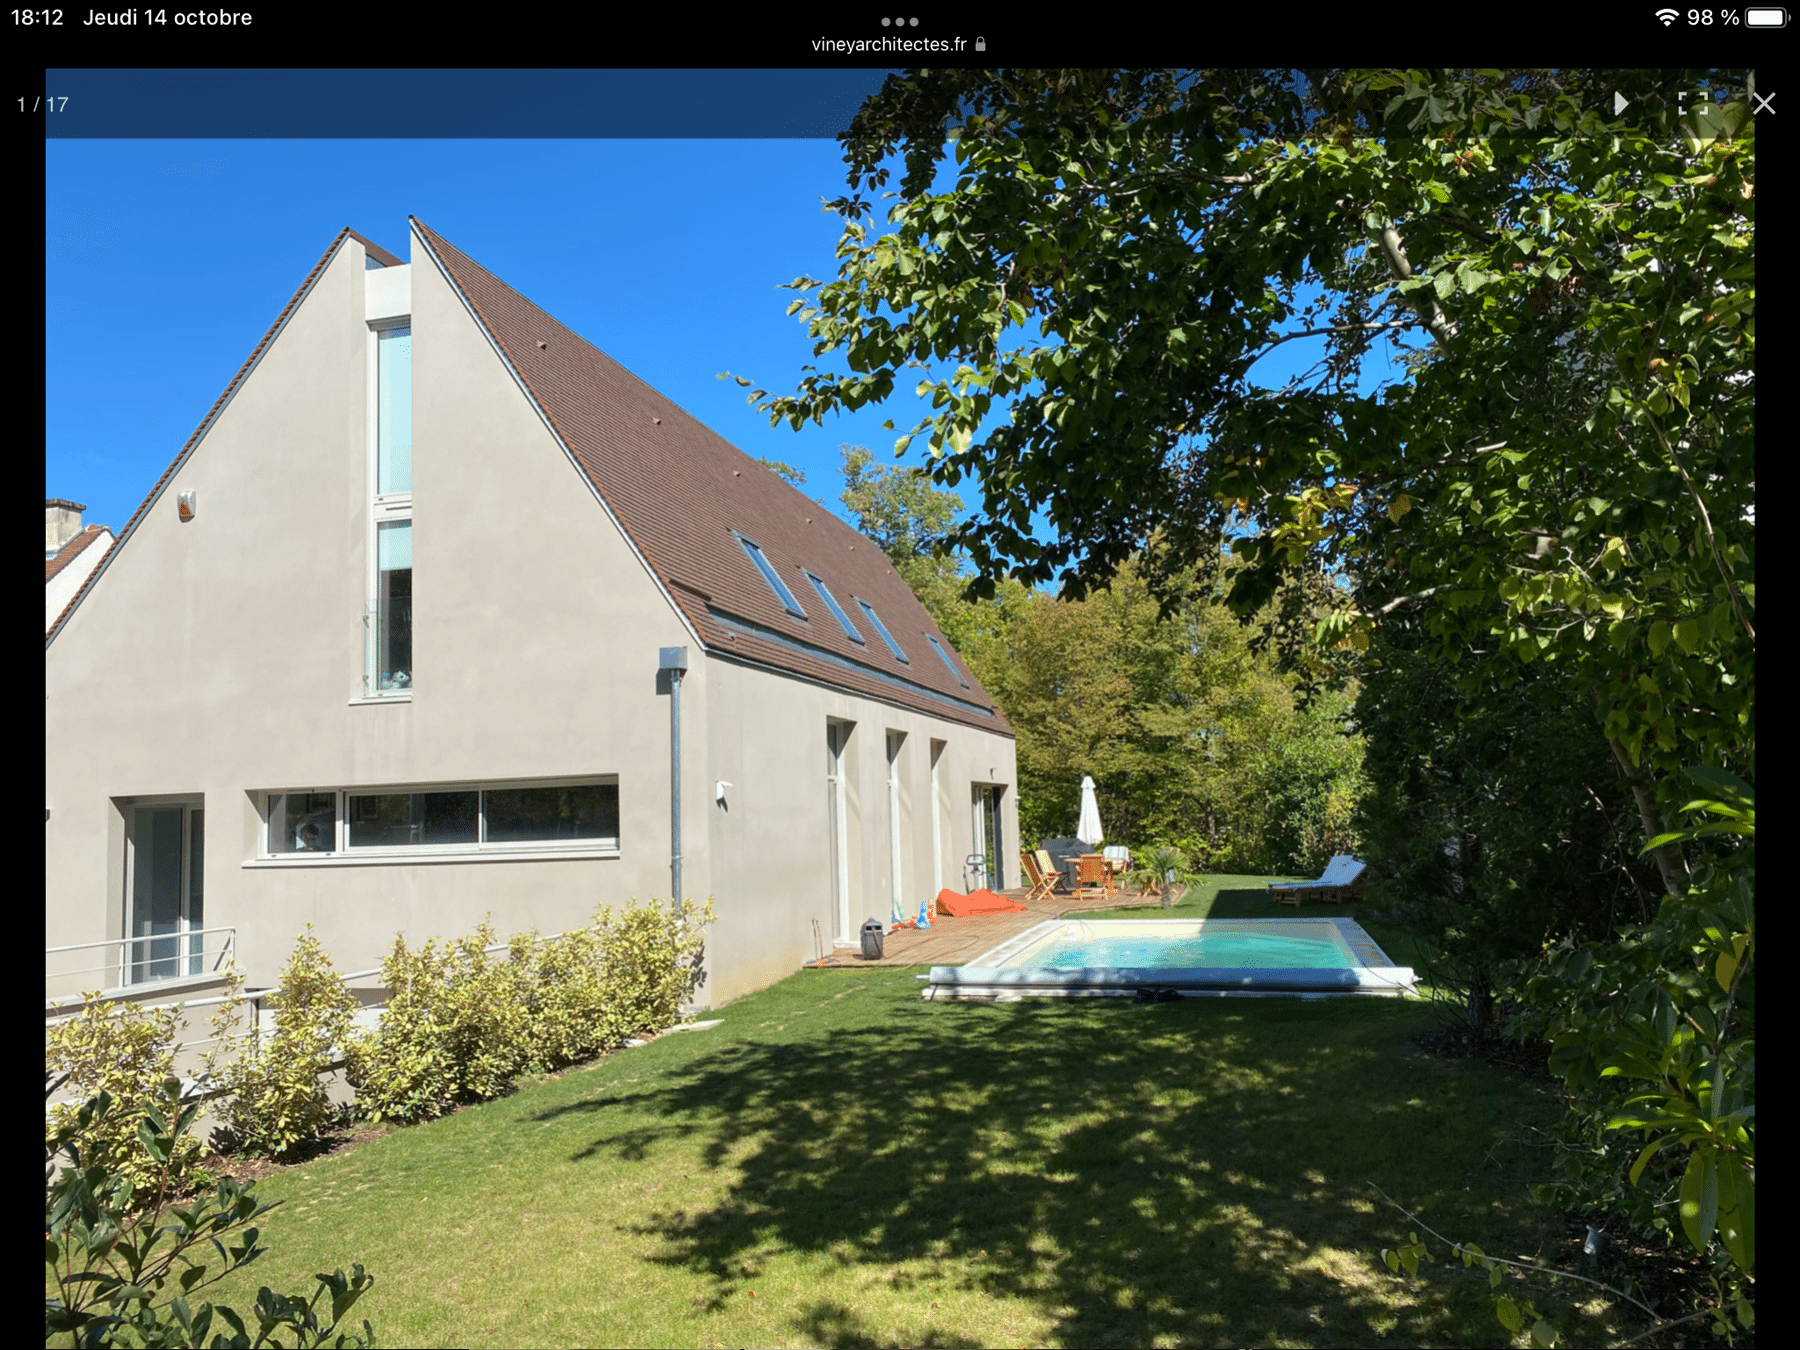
1043, 883
1118, 858
1095, 877
1342, 875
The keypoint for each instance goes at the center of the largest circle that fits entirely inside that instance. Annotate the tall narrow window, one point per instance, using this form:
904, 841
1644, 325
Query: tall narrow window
896, 765
393, 411
164, 900
388, 660
393, 606
837, 738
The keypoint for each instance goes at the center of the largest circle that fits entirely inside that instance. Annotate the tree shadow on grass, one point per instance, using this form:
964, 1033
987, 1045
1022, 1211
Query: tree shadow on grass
1178, 1173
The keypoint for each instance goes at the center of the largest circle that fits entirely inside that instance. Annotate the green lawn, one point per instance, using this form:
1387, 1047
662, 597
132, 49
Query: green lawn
840, 1163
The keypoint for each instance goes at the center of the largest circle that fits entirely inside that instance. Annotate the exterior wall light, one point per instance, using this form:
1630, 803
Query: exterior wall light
187, 504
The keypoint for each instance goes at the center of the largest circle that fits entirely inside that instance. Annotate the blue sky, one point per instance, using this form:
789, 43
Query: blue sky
166, 261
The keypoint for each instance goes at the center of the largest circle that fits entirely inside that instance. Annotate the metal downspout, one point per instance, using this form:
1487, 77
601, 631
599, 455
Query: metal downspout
674, 660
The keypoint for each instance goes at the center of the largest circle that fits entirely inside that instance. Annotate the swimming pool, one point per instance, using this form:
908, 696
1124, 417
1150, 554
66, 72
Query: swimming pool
1093, 958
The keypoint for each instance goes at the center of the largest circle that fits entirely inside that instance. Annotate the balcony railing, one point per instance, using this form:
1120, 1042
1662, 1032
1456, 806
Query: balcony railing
132, 962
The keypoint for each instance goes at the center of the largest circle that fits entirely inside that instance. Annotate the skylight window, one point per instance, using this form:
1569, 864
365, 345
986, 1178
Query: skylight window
770, 575
837, 611
886, 636
944, 656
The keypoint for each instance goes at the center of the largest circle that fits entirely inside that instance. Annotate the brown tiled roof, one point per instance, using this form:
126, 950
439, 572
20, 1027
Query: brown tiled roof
682, 494
206, 422
66, 554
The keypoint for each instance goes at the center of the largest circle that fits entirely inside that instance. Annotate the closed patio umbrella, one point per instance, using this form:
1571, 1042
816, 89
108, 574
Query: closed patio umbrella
1089, 831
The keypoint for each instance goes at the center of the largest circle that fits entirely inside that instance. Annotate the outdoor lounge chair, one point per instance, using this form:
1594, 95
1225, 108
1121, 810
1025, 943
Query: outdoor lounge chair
1342, 875
1044, 882
1050, 867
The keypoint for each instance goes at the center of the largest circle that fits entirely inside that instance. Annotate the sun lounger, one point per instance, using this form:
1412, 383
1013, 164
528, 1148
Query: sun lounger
1342, 875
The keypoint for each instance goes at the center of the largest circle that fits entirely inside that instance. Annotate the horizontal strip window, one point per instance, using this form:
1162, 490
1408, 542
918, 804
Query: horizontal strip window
756, 630
548, 817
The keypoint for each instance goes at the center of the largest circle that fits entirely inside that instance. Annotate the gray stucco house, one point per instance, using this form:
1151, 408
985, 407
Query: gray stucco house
383, 651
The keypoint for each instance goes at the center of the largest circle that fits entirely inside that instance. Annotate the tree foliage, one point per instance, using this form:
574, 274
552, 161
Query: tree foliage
1550, 504
1566, 472
125, 1051
126, 1260
1192, 736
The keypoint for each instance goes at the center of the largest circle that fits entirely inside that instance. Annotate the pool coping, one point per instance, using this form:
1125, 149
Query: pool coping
987, 977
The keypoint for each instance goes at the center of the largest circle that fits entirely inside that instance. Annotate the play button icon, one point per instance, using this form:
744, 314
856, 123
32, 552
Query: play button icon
1620, 103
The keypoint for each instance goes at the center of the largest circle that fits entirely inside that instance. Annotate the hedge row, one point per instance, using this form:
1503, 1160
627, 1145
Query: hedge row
460, 1025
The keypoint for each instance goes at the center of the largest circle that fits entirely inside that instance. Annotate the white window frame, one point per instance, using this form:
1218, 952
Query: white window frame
343, 854
187, 955
393, 508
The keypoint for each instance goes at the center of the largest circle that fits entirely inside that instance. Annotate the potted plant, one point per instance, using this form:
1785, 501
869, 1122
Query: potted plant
1158, 874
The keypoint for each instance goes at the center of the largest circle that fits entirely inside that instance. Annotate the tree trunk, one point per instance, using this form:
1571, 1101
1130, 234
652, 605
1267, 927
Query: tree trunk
1481, 1000
1671, 862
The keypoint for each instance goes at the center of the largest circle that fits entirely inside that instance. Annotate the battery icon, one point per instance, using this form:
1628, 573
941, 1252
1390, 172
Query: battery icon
1765, 18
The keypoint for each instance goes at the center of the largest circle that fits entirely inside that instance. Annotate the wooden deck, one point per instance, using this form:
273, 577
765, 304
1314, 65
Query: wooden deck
953, 942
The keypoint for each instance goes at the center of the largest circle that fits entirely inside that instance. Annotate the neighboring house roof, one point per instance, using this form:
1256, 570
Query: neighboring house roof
68, 552
682, 494
70, 567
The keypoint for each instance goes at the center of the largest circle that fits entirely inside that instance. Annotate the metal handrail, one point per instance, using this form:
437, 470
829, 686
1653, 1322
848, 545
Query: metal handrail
226, 949
254, 996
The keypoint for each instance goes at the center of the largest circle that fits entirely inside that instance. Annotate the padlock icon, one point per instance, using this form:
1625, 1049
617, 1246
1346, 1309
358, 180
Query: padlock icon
981, 44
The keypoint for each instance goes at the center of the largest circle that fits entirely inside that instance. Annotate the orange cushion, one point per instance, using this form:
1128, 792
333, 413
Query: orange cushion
982, 901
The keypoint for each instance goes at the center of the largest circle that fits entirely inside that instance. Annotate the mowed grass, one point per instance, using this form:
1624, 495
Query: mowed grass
841, 1163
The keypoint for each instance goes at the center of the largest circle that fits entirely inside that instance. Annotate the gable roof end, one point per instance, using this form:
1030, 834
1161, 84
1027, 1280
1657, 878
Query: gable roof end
212, 415
684, 496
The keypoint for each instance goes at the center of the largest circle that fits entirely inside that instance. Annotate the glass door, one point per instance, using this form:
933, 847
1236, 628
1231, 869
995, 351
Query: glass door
164, 904
988, 834
837, 736
896, 747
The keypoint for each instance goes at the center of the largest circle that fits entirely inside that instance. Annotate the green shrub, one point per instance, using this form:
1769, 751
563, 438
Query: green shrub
456, 1028
461, 1025
278, 1100
568, 1014
124, 1262
652, 961
126, 1051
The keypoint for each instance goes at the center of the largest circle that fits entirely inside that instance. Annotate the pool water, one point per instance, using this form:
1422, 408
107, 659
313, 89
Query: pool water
1212, 947
1276, 957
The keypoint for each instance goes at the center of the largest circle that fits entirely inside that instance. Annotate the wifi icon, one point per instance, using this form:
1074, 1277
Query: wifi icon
1668, 16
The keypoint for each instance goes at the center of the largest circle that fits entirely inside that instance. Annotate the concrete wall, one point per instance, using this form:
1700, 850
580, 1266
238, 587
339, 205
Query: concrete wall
769, 858
222, 658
